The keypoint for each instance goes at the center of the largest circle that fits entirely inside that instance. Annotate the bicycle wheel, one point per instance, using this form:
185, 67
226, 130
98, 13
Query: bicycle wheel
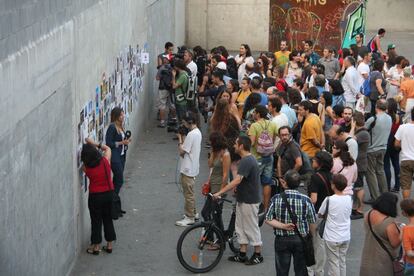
194, 247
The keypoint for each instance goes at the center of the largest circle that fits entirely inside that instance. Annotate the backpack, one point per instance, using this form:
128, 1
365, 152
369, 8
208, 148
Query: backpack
366, 86
191, 91
265, 145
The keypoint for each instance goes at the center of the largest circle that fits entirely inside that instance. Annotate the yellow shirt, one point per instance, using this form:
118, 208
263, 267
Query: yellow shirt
241, 98
312, 128
282, 57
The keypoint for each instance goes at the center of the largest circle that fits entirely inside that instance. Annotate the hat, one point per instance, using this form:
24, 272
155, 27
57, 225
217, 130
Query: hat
221, 65
391, 46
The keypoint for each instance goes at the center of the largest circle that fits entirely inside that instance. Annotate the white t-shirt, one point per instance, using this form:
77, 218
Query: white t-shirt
190, 163
242, 68
352, 147
405, 134
338, 223
311, 83
193, 68
280, 120
363, 68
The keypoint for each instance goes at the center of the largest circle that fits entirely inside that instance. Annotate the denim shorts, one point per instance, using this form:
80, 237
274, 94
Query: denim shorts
266, 169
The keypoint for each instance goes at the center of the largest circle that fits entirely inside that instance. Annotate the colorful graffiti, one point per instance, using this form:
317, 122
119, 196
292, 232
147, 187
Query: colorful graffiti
333, 23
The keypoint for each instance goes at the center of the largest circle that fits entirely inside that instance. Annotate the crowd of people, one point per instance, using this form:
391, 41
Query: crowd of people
294, 136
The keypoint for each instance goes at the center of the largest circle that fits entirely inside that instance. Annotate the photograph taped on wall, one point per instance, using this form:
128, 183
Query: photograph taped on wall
118, 87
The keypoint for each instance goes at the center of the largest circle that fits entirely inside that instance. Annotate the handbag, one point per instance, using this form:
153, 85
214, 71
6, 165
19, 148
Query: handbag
397, 265
206, 188
306, 241
116, 200
321, 228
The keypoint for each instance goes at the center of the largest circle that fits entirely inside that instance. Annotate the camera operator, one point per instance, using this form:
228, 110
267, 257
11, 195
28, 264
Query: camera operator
169, 48
179, 84
189, 147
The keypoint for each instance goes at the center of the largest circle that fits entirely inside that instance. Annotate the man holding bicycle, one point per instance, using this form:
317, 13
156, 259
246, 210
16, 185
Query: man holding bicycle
247, 182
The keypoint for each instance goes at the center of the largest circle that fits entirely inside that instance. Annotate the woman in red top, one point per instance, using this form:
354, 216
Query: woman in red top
98, 170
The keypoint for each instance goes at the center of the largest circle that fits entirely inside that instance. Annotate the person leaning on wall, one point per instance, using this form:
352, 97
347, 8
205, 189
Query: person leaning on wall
97, 168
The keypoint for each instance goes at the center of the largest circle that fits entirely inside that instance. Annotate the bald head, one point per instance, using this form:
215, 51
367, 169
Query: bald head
333, 132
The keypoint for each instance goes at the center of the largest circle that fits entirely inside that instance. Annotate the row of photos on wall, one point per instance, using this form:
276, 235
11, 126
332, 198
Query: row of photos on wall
119, 87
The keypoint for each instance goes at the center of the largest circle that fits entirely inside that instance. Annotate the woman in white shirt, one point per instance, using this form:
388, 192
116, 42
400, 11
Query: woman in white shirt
244, 57
395, 75
337, 233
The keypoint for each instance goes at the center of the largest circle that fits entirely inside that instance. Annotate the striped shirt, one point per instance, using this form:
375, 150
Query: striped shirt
300, 205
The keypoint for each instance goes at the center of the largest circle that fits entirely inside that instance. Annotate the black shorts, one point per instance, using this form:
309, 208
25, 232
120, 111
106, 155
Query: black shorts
359, 183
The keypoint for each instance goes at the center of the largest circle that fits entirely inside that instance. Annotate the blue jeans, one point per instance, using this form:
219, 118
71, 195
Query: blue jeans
285, 248
338, 100
266, 169
393, 156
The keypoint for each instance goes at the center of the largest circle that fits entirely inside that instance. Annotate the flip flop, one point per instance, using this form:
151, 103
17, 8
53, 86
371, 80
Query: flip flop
92, 252
106, 249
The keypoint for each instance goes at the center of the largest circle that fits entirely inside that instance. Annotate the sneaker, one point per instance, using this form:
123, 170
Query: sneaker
162, 125
238, 259
186, 221
254, 260
357, 215
395, 190
196, 216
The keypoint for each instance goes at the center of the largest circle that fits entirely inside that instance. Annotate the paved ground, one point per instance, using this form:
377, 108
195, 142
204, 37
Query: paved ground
147, 236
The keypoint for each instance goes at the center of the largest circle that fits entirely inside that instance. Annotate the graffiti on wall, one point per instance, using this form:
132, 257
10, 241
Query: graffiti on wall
333, 23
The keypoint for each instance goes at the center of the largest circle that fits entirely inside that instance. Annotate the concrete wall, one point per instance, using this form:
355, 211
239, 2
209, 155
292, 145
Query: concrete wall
231, 22
52, 56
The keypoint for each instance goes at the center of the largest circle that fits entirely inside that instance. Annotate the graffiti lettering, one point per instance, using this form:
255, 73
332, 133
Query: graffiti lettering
311, 2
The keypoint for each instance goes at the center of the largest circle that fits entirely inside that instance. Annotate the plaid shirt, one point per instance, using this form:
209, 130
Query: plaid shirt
300, 205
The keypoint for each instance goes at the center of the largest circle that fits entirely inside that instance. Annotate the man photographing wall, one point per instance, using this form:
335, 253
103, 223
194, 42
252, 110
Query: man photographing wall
189, 147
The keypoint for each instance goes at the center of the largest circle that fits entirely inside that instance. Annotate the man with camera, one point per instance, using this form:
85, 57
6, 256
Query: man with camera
189, 147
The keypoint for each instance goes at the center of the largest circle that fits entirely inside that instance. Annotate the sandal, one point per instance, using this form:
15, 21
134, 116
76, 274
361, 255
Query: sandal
92, 252
106, 249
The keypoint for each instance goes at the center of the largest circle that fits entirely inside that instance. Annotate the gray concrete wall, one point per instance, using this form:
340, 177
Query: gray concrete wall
232, 22
52, 56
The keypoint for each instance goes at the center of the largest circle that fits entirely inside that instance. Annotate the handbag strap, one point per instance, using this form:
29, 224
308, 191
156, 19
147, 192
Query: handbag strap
325, 215
325, 182
378, 239
292, 216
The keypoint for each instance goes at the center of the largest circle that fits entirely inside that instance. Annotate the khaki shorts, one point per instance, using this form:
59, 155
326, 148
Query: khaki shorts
164, 100
406, 174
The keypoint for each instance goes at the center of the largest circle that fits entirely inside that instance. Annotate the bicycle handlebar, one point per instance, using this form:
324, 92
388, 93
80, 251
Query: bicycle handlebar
220, 198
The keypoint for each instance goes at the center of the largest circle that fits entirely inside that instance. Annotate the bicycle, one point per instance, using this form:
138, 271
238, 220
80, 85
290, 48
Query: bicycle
194, 245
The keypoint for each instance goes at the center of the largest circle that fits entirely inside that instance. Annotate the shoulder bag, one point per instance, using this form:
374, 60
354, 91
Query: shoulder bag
306, 241
397, 266
116, 200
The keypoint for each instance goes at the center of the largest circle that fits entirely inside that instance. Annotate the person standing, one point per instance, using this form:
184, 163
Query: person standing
244, 57
407, 91
344, 164
308, 49
311, 135
248, 200
363, 69
331, 64
98, 169
404, 140
287, 242
362, 137
379, 127
191, 65
337, 233
377, 84
179, 84
374, 45
350, 82
282, 56
115, 139
262, 134
189, 148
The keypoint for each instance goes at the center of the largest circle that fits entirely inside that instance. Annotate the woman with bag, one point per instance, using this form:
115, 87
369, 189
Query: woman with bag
344, 164
382, 237
118, 142
98, 169
336, 231
219, 164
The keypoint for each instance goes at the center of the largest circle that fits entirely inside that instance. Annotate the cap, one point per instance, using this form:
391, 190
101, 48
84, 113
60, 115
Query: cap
391, 46
221, 65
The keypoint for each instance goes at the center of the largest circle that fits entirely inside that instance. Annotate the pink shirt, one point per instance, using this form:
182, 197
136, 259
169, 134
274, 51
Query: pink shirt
350, 173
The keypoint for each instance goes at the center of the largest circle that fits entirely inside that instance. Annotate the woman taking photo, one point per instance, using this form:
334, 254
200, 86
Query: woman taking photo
344, 164
219, 164
98, 169
380, 222
115, 138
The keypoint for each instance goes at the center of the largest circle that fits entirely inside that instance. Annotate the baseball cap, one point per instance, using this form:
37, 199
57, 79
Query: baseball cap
391, 46
221, 65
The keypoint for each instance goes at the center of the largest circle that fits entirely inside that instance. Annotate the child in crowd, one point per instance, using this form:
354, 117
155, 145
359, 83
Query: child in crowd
407, 208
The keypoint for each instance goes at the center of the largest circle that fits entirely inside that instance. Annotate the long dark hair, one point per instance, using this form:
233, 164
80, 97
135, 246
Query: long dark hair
217, 141
386, 204
248, 51
343, 153
392, 108
116, 113
90, 156
222, 117
250, 103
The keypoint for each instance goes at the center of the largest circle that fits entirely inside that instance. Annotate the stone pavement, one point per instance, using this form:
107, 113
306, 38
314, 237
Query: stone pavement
147, 235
